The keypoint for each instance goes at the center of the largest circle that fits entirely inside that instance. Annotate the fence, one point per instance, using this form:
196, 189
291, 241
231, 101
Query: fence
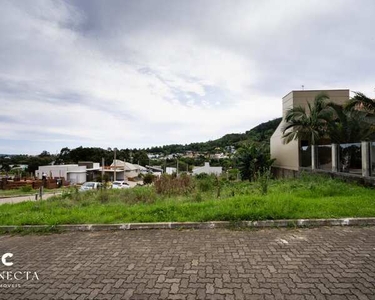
6, 184
353, 158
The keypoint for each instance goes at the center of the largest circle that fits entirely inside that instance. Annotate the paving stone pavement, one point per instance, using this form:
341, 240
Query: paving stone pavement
320, 263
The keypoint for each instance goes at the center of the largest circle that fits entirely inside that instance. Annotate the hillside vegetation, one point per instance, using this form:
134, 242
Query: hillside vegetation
261, 133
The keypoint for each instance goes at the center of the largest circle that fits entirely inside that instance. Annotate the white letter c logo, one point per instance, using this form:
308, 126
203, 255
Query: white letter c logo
4, 261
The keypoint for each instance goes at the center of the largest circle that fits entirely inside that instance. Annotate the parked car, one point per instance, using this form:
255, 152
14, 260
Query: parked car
90, 185
120, 185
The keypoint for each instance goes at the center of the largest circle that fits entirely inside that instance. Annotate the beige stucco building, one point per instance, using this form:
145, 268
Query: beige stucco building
288, 156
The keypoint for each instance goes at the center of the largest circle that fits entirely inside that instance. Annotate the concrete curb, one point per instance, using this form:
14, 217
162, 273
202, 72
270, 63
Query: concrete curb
200, 225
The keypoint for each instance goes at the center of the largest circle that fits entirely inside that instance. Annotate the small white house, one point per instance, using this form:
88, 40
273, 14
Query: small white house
207, 169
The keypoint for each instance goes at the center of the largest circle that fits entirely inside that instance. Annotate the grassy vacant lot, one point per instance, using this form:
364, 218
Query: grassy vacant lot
306, 197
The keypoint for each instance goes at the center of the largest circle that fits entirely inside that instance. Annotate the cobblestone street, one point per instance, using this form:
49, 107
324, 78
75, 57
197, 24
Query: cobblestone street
320, 263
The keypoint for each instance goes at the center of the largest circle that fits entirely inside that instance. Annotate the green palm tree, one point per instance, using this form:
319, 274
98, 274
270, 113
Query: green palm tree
364, 106
253, 159
308, 125
349, 126
362, 103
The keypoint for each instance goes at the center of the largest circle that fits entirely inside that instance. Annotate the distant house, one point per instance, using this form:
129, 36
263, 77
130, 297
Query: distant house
92, 169
142, 169
189, 154
123, 170
218, 156
230, 149
155, 170
170, 170
207, 169
19, 167
72, 173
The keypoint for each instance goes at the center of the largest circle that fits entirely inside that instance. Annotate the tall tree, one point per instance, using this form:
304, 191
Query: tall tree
364, 105
308, 125
361, 102
251, 159
348, 126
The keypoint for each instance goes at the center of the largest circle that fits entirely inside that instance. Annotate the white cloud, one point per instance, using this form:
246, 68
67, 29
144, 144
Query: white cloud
130, 75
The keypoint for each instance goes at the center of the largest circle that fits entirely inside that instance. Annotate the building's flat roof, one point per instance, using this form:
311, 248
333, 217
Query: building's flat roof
301, 91
59, 166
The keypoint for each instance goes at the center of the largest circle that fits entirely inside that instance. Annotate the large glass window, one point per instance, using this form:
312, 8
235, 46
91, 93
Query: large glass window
350, 160
305, 154
324, 157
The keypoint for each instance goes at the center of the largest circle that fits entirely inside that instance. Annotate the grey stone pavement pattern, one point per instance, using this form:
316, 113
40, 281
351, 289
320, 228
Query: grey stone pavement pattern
319, 263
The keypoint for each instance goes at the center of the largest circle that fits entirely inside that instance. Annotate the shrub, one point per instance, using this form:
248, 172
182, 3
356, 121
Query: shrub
233, 174
202, 176
205, 183
26, 189
103, 196
138, 195
169, 185
148, 178
198, 197
263, 181
218, 185
67, 193
252, 159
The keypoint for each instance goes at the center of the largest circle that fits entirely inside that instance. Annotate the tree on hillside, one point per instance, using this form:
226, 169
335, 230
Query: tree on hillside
141, 158
44, 154
36, 161
5, 167
64, 156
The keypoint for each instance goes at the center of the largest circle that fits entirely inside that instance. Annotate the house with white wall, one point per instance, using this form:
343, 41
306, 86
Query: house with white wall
207, 169
73, 173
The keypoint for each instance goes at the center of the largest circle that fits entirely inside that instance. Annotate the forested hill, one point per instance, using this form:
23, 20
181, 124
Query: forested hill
261, 133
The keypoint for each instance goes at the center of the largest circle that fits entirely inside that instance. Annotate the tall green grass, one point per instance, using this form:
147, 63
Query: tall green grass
306, 197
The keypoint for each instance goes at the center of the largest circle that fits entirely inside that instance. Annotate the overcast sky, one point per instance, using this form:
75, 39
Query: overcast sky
136, 73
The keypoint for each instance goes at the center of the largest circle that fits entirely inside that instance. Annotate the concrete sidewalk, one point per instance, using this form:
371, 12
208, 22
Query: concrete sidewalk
25, 198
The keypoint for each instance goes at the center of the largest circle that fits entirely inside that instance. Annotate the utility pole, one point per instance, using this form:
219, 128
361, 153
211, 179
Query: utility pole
102, 169
124, 167
177, 168
114, 162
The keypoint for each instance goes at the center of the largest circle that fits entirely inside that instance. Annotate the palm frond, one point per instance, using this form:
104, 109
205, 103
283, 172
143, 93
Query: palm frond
361, 102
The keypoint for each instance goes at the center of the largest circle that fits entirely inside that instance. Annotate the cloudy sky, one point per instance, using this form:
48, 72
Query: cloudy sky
140, 73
